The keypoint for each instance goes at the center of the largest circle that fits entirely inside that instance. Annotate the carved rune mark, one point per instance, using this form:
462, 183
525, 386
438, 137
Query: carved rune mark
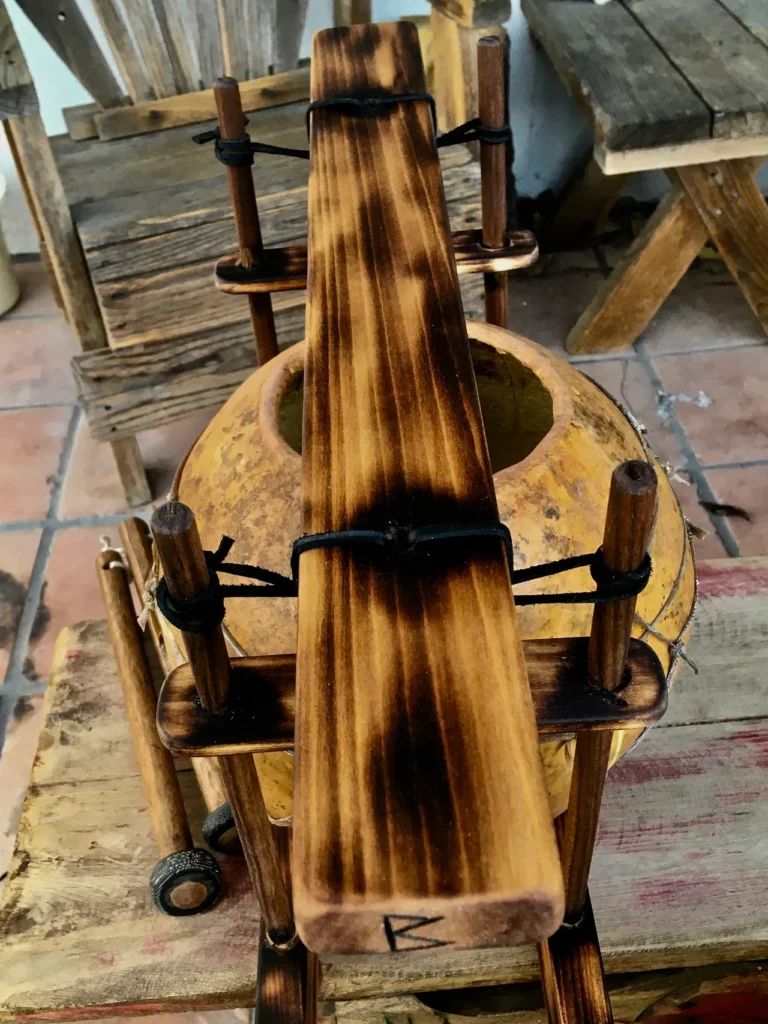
403, 930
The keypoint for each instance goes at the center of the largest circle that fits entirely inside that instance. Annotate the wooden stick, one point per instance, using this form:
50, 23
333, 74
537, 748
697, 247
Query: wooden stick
631, 505
493, 171
186, 573
232, 126
158, 774
137, 543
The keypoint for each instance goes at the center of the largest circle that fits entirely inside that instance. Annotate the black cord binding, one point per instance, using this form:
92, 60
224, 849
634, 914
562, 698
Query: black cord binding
206, 611
240, 152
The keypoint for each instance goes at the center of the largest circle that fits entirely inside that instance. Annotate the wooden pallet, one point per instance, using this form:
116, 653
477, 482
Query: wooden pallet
680, 857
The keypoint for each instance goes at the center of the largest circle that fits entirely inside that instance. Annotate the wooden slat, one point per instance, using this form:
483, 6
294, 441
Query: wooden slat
145, 29
170, 18
734, 211
123, 50
157, 115
663, 157
17, 91
723, 62
208, 38
63, 26
475, 13
81, 121
289, 30
562, 700
450, 734
234, 30
261, 39
631, 93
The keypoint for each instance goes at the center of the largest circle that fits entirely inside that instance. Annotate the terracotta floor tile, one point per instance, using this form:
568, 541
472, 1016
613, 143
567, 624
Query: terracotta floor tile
36, 294
709, 546
17, 556
703, 312
745, 487
546, 308
29, 460
34, 361
92, 486
721, 400
627, 380
71, 590
16, 759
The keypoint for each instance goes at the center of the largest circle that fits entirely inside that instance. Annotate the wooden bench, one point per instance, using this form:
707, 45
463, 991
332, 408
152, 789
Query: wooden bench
675, 86
680, 862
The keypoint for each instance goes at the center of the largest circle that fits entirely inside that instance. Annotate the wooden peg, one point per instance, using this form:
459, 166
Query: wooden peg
493, 170
186, 574
158, 774
232, 127
631, 505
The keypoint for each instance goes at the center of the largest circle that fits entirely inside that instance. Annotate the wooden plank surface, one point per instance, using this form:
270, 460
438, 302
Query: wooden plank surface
630, 92
475, 13
723, 62
123, 50
191, 107
680, 857
17, 91
145, 30
438, 645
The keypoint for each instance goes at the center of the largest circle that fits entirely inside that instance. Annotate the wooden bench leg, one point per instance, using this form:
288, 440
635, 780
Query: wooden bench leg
584, 206
50, 210
130, 468
642, 279
735, 213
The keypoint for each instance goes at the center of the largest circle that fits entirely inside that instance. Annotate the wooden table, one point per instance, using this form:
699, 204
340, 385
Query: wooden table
675, 85
677, 880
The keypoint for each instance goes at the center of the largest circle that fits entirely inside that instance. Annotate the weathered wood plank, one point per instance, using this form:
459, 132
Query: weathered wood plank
734, 211
17, 90
170, 18
370, 803
81, 121
191, 107
630, 92
289, 30
261, 38
661, 158
91, 171
723, 62
351, 12
144, 27
208, 38
123, 50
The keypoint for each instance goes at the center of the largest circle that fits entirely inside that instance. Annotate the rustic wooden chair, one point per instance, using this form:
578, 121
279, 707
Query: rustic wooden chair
115, 192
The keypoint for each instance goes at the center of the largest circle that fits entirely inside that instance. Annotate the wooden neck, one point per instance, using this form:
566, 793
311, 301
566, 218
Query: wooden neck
421, 817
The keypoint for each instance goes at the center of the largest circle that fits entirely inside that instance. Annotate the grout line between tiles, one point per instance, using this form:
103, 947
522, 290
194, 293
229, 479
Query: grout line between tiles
15, 679
693, 466
24, 406
749, 464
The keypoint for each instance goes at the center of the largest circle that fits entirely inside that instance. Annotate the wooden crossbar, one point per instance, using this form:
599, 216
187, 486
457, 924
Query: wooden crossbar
421, 816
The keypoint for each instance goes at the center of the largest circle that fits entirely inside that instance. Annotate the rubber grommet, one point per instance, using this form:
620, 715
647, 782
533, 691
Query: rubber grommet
191, 867
215, 829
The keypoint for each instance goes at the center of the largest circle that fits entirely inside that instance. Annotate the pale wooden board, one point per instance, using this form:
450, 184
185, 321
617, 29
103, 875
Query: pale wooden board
123, 50
628, 89
724, 63
681, 853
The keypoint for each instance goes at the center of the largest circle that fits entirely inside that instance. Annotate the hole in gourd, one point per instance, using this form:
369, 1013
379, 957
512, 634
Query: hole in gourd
516, 407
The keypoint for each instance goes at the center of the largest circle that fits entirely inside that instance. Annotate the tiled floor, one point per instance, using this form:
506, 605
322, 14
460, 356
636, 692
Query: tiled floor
695, 379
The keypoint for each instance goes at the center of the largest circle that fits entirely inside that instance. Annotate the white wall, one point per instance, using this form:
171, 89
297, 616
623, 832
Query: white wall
550, 134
